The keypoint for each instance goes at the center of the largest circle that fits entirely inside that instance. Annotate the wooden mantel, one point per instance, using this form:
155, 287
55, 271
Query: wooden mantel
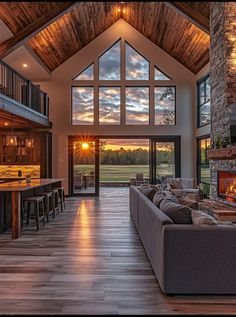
222, 154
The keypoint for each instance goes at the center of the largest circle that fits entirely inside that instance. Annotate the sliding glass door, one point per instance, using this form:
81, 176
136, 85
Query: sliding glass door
115, 162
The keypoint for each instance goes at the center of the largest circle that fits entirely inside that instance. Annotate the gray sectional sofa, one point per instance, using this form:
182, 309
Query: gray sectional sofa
186, 259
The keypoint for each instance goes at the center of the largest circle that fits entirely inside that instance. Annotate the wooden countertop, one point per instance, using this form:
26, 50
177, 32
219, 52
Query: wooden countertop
21, 185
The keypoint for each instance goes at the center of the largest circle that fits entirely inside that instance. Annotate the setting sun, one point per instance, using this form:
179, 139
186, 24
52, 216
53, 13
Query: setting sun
85, 146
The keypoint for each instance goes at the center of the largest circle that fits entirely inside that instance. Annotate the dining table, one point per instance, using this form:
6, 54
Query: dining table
11, 200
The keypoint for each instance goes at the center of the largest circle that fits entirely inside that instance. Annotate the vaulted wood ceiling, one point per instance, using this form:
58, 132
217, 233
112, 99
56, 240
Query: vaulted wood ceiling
60, 29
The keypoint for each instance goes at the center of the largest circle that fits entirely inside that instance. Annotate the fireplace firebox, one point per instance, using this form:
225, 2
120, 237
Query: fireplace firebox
227, 185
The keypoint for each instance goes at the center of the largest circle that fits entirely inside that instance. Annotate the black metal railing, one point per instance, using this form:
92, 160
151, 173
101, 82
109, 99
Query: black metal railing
15, 86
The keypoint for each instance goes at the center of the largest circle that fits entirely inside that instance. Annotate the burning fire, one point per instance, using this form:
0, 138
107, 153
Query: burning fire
231, 189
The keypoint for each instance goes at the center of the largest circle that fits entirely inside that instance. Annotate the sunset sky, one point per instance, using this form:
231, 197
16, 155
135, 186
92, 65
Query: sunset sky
109, 105
132, 144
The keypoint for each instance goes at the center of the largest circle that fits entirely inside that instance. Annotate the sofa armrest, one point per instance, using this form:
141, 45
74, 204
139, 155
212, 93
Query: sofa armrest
199, 259
133, 201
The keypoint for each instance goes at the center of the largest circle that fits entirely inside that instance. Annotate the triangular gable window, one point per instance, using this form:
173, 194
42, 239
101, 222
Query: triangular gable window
137, 67
86, 74
109, 63
159, 75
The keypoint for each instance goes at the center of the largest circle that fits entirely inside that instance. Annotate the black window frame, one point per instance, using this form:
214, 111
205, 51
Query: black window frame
199, 104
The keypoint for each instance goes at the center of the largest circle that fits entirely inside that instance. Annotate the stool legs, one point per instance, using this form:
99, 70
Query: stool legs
36, 215
38, 207
61, 195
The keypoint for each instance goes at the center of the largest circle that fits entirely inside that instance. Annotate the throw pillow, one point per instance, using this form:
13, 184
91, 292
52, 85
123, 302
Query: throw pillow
201, 218
157, 199
171, 197
188, 202
158, 187
179, 214
175, 184
148, 191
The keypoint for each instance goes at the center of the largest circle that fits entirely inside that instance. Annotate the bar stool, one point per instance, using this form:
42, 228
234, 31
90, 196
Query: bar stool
49, 204
36, 201
55, 198
62, 200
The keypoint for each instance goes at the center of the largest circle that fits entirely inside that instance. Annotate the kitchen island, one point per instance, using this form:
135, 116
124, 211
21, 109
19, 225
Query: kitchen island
11, 198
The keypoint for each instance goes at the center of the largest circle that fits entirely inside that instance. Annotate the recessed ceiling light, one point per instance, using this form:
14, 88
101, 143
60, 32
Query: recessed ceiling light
25, 65
6, 123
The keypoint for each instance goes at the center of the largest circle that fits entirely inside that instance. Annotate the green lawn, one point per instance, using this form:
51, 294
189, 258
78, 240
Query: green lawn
205, 174
119, 173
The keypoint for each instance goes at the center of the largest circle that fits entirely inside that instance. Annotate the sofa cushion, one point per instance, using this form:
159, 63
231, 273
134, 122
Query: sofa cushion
178, 213
148, 191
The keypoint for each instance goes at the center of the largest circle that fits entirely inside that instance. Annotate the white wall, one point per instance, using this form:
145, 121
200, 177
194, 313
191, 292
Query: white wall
58, 88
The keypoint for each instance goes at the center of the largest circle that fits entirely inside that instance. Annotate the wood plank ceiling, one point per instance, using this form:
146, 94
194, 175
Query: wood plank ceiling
161, 22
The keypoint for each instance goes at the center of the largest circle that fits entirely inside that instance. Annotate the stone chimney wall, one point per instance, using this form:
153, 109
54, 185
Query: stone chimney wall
223, 78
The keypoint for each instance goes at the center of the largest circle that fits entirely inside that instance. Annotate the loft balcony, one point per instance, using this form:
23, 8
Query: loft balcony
22, 98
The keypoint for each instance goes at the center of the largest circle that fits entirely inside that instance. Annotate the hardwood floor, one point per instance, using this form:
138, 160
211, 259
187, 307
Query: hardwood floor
89, 260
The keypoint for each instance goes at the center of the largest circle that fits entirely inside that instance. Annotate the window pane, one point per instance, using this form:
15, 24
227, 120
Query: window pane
109, 64
165, 161
205, 173
87, 74
159, 75
202, 93
122, 159
205, 114
164, 105
203, 162
109, 105
137, 67
137, 105
208, 89
82, 105
203, 151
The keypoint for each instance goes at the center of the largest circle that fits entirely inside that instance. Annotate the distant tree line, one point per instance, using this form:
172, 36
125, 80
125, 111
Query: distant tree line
138, 156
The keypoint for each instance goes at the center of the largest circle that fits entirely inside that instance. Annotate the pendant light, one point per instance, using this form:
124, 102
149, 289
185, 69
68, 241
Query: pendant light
29, 142
11, 140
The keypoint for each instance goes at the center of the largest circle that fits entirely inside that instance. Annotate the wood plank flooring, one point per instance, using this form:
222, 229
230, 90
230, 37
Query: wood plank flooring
89, 260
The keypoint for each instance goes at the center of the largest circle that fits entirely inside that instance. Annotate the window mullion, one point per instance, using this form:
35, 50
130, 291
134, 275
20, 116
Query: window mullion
96, 92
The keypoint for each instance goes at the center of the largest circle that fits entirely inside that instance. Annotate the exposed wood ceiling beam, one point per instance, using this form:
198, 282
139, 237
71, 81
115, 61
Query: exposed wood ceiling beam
28, 32
192, 15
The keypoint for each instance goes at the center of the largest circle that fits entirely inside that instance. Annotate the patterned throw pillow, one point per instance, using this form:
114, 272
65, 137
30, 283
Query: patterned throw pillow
188, 202
201, 218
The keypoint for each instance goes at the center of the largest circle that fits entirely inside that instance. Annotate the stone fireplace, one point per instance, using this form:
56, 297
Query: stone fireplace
223, 93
